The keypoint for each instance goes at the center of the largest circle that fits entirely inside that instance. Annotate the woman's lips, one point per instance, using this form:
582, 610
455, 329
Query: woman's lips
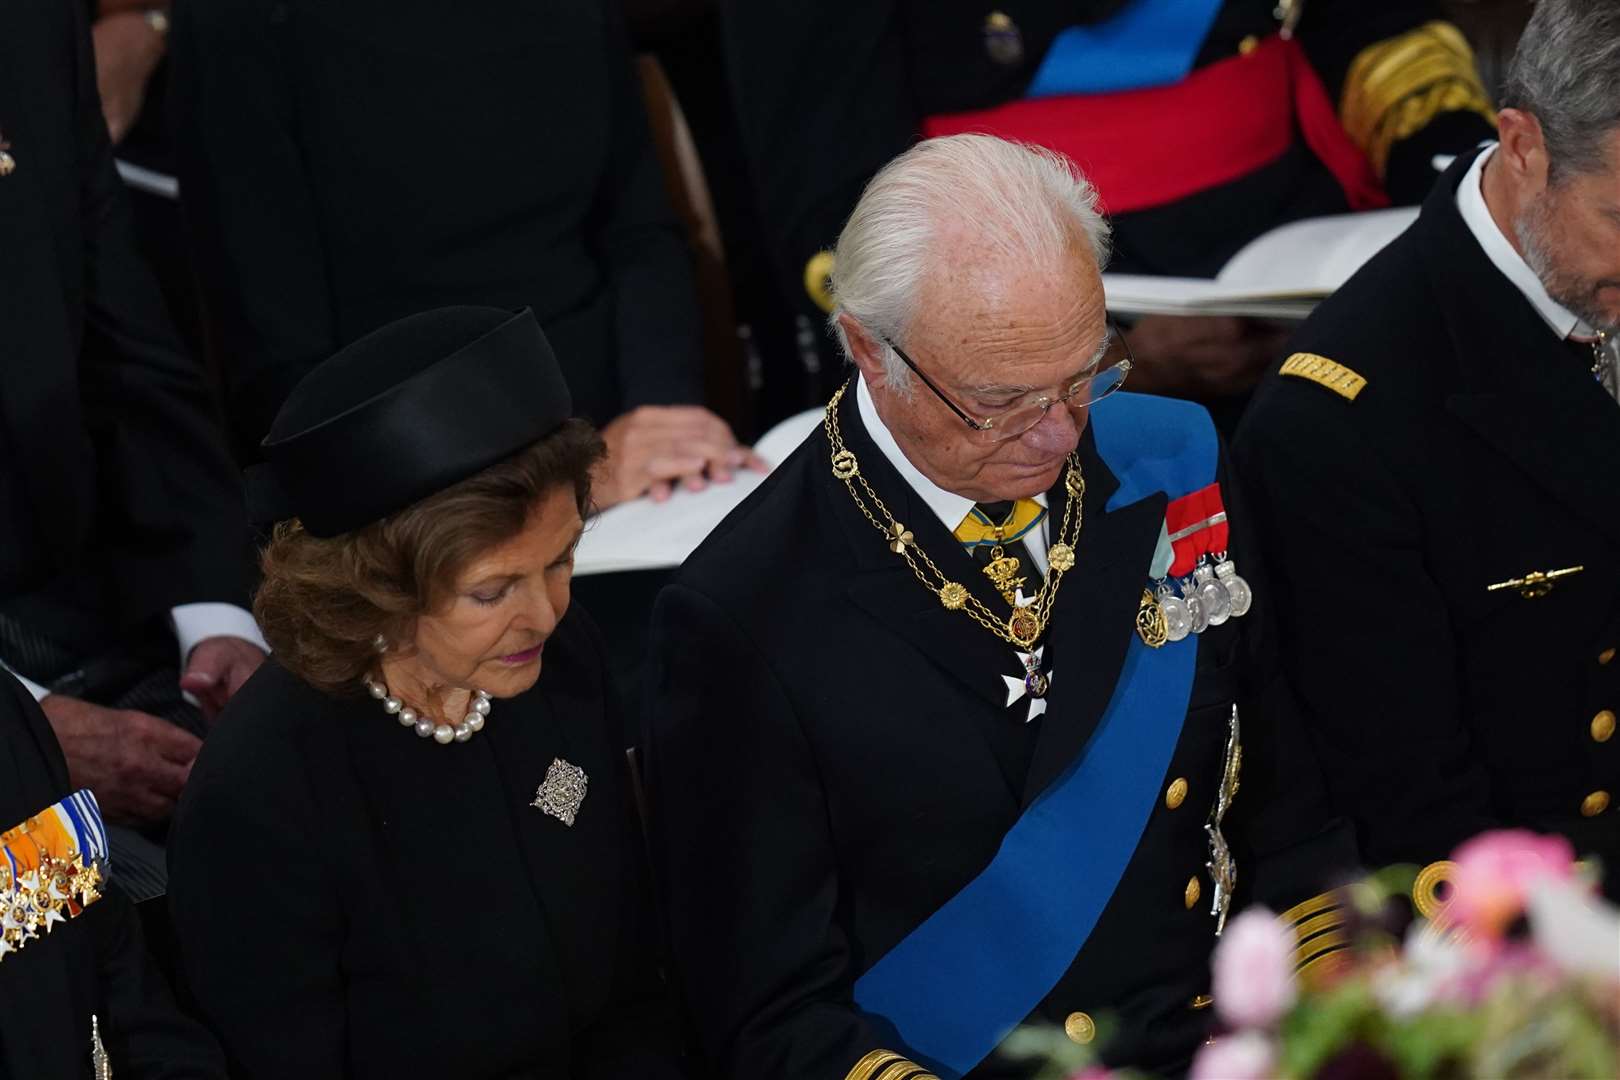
524, 657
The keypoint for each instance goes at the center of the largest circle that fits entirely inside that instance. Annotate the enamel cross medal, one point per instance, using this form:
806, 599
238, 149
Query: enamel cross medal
1033, 683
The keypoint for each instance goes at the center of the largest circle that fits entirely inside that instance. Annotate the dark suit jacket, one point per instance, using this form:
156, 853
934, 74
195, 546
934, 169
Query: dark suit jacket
352, 901
343, 165
95, 964
1480, 450
832, 759
117, 496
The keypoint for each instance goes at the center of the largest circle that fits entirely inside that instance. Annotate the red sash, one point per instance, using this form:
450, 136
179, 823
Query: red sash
1145, 148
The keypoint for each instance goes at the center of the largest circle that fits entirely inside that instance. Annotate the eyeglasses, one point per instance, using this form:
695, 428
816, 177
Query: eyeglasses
1091, 387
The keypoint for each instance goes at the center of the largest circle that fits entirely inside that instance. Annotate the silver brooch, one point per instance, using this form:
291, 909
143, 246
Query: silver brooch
562, 791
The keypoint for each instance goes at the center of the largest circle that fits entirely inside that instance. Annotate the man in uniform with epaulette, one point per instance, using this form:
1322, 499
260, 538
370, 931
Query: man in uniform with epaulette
79, 996
1436, 472
952, 713
1203, 123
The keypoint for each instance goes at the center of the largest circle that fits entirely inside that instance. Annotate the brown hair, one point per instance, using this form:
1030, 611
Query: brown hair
323, 602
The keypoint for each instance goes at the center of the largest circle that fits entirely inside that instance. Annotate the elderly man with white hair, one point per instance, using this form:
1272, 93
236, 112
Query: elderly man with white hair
951, 713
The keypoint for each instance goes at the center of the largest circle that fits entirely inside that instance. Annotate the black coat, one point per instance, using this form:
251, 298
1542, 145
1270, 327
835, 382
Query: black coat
1480, 450
353, 901
832, 758
117, 498
344, 164
92, 965
827, 93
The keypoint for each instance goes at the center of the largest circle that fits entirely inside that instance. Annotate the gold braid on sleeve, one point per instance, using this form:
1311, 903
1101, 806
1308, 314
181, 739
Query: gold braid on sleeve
1395, 87
888, 1065
1320, 939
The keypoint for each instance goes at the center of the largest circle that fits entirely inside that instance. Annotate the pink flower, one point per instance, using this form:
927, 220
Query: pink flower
1248, 1055
1495, 871
1254, 970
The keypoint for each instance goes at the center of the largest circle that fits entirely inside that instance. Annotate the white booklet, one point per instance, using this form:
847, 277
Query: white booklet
644, 535
1280, 275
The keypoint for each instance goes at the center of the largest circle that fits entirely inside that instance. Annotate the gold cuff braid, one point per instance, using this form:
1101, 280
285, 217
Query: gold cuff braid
887, 1065
1317, 926
1395, 87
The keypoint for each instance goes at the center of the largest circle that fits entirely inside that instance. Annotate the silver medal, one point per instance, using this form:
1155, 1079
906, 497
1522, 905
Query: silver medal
1238, 589
1216, 601
1195, 606
1177, 619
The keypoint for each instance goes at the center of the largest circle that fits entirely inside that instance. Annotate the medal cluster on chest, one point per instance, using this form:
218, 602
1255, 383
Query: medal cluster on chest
1196, 584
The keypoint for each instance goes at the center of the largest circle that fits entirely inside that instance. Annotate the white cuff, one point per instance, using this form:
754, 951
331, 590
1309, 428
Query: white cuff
195, 623
39, 692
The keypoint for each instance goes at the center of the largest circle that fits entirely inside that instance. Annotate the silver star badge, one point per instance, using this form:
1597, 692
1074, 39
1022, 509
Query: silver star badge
562, 791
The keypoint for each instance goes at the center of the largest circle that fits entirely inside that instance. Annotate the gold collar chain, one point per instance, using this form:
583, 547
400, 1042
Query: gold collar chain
1021, 629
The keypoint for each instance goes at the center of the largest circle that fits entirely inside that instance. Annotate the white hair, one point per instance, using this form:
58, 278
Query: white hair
1026, 203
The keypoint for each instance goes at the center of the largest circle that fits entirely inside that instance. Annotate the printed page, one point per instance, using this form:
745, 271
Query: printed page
644, 535
1281, 275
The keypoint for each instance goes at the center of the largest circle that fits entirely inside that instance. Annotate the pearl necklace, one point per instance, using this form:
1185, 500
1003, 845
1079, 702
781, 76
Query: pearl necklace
443, 734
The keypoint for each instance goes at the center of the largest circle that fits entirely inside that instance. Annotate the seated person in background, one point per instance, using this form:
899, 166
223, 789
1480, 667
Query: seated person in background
905, 794
460, 840
76, 986
1202, 123
1437, 472
346, 163
124, 547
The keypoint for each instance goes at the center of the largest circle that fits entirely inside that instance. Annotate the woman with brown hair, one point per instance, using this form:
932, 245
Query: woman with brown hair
408, 849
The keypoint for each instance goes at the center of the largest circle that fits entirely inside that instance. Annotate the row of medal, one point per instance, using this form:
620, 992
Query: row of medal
1212, 594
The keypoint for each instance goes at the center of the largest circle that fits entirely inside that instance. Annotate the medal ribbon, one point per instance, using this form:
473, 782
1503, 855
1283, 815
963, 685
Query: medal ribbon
49, 868
1196, 524
978, 531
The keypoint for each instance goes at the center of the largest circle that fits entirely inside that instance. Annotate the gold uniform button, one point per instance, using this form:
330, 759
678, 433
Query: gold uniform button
1594, 804
1080, 1028
1177, 793
1195, 890
1248, 45
1606, 657
1603, 726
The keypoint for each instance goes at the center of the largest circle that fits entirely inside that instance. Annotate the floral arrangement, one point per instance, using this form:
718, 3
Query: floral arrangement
1516, 977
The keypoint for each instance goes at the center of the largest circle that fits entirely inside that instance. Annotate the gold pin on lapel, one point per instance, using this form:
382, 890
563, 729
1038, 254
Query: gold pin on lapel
1537, 583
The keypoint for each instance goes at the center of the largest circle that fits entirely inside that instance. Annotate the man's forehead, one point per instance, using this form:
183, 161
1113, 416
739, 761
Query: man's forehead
990, 309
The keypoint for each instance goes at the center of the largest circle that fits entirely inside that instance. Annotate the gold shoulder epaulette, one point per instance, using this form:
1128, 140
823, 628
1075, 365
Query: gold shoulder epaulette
888, 1065
1324, 372
818, 280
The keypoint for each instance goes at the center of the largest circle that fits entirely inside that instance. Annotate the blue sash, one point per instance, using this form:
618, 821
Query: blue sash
955, 986
1149, 43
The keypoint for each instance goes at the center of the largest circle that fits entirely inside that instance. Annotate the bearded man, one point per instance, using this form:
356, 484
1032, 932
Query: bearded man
946, 737
1436, 470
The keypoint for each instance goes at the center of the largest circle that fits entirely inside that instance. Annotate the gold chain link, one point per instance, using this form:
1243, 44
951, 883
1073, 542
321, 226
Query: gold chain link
954, 595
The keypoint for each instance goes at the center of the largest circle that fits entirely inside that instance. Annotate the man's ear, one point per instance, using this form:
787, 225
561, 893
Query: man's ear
1523, 151
864, 349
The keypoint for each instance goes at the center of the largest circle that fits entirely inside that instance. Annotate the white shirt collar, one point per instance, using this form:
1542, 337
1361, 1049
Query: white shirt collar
1477, 216
948, 506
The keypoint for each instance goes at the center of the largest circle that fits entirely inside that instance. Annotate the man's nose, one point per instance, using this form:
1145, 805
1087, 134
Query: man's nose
1057, 434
